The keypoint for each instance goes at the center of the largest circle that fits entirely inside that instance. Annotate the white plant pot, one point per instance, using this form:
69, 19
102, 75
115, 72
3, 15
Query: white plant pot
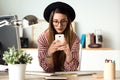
16, 71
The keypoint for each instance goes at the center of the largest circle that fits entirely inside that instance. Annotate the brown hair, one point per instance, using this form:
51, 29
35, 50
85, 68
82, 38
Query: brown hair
59, 56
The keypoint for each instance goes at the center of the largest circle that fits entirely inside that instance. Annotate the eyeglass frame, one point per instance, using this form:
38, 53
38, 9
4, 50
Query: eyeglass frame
62, 22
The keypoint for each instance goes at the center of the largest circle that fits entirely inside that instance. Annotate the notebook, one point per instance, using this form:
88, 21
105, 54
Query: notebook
56, 78
39, 73
77, 73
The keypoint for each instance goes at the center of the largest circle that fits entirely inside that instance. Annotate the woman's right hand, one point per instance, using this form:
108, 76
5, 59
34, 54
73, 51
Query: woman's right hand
53, 48
56, 44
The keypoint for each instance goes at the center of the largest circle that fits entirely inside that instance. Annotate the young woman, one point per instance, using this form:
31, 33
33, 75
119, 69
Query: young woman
55, 55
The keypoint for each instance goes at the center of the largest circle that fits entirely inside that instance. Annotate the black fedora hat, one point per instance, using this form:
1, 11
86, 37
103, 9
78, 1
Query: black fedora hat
60, 5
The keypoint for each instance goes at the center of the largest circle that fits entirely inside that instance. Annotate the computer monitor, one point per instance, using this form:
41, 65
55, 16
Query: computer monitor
9, 18
9, 37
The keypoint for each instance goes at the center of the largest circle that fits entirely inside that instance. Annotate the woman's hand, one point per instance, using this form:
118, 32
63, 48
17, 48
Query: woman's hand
60, 46
53, 47
65, 47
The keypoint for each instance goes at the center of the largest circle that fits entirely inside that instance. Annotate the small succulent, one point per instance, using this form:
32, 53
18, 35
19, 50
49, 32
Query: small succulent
16, 56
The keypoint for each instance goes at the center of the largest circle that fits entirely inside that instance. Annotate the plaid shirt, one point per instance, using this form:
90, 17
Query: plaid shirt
43, 48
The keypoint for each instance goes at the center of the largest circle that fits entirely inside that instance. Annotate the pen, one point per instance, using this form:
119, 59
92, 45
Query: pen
109, 61
113, 61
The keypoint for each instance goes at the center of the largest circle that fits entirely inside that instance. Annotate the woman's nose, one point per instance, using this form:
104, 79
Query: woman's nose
59, 24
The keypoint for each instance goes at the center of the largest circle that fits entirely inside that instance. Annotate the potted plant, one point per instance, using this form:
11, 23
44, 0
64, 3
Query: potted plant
17, 60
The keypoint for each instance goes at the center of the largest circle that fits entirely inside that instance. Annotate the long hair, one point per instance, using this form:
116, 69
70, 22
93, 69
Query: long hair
59, 56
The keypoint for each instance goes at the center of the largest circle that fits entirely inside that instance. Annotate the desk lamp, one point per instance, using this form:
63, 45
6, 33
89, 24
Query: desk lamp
30, 21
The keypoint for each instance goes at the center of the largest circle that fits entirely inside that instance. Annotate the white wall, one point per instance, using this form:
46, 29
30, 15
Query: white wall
90, 15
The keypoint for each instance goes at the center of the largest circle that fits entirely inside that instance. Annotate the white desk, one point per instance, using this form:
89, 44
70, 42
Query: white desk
4, 76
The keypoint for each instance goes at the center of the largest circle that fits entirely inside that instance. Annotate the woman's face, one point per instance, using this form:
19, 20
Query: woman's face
60, 22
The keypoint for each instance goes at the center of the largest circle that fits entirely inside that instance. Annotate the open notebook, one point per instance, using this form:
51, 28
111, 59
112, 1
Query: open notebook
77, 73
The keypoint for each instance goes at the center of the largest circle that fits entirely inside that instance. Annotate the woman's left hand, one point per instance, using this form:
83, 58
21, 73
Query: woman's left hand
65, 47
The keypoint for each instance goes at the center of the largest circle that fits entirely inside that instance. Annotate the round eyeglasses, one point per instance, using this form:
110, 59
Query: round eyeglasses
62, 22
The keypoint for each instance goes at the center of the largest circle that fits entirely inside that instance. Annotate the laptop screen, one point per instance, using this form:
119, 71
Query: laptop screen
9, 37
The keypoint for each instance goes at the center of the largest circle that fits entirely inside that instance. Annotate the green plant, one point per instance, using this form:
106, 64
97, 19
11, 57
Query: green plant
16, 56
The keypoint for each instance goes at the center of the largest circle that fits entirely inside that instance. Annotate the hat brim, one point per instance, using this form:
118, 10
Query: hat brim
61, 5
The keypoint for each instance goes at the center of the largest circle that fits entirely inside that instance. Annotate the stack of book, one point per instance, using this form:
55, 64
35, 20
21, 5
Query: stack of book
89, 41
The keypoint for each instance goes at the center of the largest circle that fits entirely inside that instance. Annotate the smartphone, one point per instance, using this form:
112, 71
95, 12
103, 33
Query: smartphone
59, 37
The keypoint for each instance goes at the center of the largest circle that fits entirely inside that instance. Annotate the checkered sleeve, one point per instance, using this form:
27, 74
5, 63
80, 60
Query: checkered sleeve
42, 50
74, 63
